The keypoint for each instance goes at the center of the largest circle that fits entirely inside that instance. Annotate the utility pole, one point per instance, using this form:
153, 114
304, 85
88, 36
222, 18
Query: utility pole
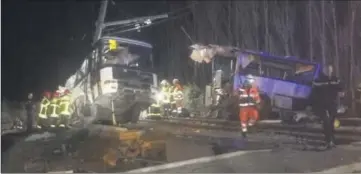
100, 21
101, 24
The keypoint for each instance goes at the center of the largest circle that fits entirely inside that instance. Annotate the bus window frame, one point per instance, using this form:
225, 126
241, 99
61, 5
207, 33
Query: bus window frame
261, 70
100, 46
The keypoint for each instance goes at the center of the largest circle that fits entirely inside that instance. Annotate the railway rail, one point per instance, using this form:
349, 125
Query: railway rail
309, 133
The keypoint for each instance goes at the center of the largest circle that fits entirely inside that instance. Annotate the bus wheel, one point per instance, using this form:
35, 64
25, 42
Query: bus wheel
135, 113
265, 107
81, 110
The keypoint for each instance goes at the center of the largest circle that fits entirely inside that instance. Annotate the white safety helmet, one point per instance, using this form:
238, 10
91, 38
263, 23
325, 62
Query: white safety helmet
175, 81
30, 96
250, 78
164, 82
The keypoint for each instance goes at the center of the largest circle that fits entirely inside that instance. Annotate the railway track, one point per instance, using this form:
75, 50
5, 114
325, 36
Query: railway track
349, 133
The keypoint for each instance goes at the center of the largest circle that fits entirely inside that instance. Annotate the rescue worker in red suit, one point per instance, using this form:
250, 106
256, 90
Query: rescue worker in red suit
249, 101
177, 94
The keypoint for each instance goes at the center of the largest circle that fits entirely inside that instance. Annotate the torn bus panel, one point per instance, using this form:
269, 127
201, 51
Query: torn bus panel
119, 73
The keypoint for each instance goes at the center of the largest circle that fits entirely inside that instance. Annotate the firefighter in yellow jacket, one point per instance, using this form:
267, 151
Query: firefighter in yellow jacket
64, 109
154, 110
42, 119
53, 110
162, 101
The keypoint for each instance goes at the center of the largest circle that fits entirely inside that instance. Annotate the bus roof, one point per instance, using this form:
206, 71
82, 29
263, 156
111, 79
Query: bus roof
126, 40
282, 58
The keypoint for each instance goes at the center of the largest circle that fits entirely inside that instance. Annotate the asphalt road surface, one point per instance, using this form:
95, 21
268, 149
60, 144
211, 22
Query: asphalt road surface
196, 150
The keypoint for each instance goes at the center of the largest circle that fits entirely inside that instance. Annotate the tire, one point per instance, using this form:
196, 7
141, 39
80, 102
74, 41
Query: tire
80, 111
135, 112
265, 108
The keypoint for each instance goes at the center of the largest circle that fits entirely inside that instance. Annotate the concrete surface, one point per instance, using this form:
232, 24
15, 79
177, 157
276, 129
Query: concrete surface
267, 161
202, 151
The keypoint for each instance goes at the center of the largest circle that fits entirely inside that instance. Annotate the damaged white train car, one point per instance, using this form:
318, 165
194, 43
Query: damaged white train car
115, 80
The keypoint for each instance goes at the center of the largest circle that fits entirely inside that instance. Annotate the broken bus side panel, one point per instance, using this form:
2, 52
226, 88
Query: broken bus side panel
120, 71
285, 82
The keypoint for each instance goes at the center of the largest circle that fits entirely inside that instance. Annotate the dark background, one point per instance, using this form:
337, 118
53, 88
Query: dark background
44, 42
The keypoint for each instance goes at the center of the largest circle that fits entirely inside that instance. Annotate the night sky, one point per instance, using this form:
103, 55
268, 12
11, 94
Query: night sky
44, 42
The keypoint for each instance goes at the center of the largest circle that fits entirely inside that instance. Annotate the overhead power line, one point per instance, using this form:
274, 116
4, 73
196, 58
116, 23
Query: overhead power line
154, 23
170, 18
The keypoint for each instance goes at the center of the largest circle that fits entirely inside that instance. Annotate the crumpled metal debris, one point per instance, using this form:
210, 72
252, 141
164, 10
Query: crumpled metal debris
205, 53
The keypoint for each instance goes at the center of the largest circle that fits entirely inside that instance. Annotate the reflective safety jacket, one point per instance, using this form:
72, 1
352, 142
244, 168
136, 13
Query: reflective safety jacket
53, 108
154, 110
177, 93
166, 91
64, 103
249, 97
324, 92
45, 102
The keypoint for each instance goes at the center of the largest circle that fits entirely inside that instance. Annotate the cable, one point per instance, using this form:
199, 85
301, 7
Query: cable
155, 23
184, 8
109, 32
131, 24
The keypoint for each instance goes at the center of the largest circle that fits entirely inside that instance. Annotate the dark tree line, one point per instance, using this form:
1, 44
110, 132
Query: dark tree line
328, 32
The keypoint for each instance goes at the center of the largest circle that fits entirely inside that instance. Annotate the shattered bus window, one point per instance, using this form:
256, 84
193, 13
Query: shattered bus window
285, 69
129, 55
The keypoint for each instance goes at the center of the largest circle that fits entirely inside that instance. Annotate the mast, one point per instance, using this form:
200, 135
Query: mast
100, 22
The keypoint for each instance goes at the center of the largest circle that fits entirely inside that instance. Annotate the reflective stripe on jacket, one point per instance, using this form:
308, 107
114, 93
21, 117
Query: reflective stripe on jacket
44, 107
178, 92
166, 94
249, 97
53, 108
154, 110
64, 105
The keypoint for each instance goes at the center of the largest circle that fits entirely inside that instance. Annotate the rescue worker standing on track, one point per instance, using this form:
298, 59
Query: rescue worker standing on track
43, 111
249, 101
54, 110
64, 109
323, 98
358, 100
177, 94
166, 97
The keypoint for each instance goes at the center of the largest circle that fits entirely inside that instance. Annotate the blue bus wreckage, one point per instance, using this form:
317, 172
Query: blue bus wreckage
285, 82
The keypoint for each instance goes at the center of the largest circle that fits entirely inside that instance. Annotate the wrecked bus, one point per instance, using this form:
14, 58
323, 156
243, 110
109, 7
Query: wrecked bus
115, 80
285, 82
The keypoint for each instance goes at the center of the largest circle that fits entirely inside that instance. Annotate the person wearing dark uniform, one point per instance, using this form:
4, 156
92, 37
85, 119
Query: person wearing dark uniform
323, 98
29, 106
358, 100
